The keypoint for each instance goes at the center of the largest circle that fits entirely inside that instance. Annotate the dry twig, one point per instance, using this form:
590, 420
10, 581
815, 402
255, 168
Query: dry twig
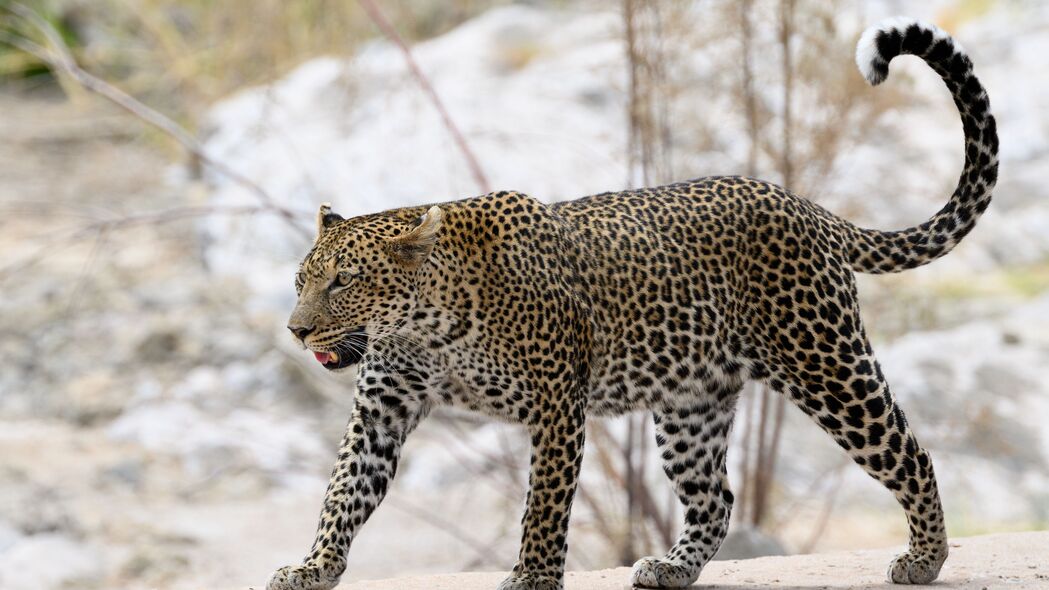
482, 548
59, 57
390, 32
104, 226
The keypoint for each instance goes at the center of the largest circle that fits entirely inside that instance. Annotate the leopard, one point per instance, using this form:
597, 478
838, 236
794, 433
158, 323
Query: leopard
663, 300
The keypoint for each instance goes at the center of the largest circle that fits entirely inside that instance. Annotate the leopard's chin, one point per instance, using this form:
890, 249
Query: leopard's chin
345, 353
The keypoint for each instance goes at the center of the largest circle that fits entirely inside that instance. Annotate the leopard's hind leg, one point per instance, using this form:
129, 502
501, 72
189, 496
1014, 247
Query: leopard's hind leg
830, 372
693, 436
864, 418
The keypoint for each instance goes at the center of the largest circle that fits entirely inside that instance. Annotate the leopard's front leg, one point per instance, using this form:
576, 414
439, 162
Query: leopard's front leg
384, 414
557, 453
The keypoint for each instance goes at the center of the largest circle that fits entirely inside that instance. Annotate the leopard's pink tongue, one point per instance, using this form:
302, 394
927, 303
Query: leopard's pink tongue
322, 357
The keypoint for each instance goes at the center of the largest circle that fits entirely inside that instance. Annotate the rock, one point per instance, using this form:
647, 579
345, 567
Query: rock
42, 562
34, 509
92, 398
158, 346
1015, 561
129, 473
155, 564
9, 535
1000, 379
207, 443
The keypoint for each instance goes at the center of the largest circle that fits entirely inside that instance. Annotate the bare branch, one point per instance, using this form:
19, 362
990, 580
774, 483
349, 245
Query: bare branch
750, 99
633, 109
786, 32
58, 56
106, 225
482, 548
742, 491
390, 32
759, 483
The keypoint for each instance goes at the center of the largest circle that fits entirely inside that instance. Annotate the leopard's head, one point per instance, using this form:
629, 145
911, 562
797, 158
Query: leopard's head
359, 282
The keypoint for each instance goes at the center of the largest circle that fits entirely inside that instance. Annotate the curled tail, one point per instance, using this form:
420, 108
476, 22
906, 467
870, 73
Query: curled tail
877, 251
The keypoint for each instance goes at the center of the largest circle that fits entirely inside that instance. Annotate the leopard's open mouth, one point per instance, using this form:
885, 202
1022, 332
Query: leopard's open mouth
348, 351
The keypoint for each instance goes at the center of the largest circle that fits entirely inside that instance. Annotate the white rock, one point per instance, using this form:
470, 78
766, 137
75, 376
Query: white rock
205, 442
45, 561
9, 535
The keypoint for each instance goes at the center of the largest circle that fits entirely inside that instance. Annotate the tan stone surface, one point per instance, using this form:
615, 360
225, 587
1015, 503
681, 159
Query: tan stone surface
1008, 561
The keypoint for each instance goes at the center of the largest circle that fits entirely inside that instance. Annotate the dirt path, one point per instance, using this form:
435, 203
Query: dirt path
1014, 561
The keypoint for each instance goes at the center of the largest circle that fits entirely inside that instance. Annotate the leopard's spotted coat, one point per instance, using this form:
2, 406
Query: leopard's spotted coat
664, 299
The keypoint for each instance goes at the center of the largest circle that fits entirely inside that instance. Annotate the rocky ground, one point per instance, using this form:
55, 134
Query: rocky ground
977, 563
1011, 561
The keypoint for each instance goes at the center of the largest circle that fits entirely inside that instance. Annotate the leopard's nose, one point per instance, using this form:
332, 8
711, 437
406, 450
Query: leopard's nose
301, 332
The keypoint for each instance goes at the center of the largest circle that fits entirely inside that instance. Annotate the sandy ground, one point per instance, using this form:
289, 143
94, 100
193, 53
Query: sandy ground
1015, 560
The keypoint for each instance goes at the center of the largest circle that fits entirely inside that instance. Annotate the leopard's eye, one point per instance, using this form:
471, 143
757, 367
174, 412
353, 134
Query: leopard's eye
300, 280
342, 279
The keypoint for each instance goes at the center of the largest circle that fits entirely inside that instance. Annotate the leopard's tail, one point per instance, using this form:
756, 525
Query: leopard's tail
877, 251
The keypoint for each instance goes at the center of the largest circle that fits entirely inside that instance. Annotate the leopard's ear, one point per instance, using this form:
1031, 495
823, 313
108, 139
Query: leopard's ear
326, 219
413, 247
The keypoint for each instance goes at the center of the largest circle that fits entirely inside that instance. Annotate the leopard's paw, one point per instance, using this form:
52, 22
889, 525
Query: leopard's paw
531, 582
916, 568
301, 577
651, 572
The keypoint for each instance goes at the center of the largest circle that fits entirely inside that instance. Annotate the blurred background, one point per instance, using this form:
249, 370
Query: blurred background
161, 162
